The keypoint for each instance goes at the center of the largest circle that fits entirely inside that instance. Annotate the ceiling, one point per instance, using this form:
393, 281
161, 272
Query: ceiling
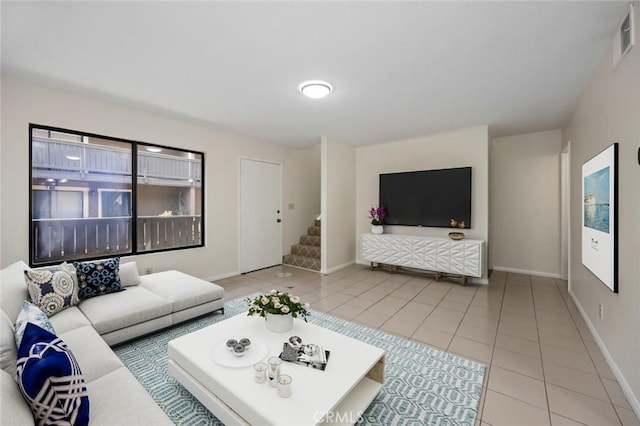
399, 69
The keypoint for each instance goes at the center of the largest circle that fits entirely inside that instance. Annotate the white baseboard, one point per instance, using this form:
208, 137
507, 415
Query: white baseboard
337, 268
626, 389
527, 272
222, 276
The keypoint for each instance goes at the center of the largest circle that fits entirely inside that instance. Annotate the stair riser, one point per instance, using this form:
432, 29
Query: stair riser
314, 231
306, 250
301, 262
310, 240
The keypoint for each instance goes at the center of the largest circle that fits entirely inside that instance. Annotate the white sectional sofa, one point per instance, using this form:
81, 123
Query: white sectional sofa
116, 397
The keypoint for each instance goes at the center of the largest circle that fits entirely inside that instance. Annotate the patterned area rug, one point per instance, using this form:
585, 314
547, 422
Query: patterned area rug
424, 386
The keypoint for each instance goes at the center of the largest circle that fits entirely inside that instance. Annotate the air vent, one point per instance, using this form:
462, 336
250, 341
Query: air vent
623, 41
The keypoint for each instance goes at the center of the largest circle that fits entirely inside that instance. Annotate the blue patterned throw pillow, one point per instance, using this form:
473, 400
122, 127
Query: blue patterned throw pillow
98, 277
30, 313
52, 289
50, 379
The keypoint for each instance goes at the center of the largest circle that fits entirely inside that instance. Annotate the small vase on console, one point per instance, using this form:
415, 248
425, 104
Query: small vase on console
377, 229
377, 215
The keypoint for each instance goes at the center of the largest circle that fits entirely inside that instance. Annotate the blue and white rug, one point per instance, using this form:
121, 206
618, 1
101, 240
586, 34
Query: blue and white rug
424, 386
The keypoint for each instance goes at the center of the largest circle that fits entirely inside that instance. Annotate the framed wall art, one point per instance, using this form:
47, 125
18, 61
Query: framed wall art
600, 216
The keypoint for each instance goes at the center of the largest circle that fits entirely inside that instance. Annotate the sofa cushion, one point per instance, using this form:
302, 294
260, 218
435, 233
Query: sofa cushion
30, 313
50, 379
129, 274
69, 319
119, 310
182, 290
8, 349
134, 405
94, 356
13, 289
52, 289
15, 410
98, 277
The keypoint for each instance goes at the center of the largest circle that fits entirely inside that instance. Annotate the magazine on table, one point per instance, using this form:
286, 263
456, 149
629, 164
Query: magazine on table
309, 355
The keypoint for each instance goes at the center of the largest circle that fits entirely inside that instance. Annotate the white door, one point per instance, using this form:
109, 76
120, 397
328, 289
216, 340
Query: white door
260, 215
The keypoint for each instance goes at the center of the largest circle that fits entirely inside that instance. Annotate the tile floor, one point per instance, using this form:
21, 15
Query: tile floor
544, 367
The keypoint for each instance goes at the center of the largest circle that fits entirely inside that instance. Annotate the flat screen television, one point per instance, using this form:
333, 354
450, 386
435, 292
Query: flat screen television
427, 197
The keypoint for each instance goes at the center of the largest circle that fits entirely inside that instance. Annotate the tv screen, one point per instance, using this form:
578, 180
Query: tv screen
427, 198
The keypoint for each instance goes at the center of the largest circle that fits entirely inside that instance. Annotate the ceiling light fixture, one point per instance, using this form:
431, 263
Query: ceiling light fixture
153, 149
315, 89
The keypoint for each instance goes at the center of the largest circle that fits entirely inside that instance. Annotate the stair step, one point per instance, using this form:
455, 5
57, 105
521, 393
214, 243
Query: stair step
310, 240
317, 222
314, 231
301, 262
306, 250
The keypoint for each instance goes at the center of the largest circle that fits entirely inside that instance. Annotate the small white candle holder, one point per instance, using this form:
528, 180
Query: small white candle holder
274, 370
284, 385
260, 372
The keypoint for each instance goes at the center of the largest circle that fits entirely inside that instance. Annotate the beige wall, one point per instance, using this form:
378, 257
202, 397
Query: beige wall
301, 184
525, 203
608, 112
24, 103
460, 148
338, 205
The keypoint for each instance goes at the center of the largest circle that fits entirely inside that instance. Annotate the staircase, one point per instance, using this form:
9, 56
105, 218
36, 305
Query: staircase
306, 254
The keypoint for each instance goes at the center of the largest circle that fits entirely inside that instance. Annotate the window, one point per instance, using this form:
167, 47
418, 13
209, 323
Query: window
86, 204
169, 198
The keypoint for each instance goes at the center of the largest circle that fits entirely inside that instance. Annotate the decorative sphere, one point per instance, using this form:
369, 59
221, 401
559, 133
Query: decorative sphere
231, 343
238, 350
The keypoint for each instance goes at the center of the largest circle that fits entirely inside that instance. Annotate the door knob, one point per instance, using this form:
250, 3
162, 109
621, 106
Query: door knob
278, 220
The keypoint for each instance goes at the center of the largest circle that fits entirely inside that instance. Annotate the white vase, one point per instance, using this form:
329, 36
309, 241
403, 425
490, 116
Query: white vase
377, 229
279, 323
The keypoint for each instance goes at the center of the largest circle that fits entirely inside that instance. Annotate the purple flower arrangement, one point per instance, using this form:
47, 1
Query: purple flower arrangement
377, 215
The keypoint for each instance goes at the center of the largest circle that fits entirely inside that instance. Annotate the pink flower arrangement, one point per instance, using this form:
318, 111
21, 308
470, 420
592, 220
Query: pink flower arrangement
377, 215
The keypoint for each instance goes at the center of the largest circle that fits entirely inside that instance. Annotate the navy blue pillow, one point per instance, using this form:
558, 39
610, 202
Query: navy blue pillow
50, 379
98, 277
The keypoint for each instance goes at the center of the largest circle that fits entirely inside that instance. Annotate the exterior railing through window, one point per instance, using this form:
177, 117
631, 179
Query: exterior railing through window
72, 239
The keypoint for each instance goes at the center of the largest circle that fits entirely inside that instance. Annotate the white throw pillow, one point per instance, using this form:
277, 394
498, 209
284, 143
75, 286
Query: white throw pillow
8, 350
129, 274
13, 289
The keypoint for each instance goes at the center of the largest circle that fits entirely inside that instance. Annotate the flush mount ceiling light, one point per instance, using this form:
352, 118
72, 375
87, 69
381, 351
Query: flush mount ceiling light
153, 149
315, 89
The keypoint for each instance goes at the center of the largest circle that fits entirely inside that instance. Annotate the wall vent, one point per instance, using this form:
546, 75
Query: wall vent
623, 41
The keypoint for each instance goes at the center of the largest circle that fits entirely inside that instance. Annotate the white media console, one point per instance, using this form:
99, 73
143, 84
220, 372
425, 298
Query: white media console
440, 255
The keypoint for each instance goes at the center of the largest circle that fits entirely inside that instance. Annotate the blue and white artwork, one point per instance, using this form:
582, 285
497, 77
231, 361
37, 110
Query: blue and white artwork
599, 216
596, 200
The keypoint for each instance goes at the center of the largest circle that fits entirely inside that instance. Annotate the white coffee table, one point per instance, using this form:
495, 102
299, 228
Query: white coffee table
337, 395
